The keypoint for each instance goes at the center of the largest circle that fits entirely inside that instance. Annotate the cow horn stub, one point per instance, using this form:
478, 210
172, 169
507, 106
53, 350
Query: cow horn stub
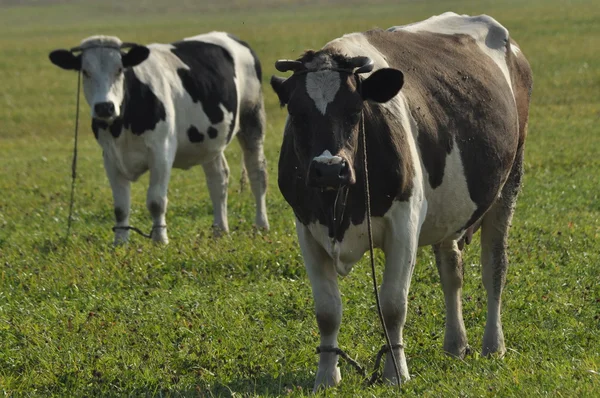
362, 64
285, 65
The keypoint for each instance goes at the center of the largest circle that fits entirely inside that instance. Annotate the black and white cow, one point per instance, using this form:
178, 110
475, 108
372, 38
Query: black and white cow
445, 113
176, 105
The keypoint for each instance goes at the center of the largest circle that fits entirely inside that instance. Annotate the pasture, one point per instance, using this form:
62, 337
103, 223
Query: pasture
234, 316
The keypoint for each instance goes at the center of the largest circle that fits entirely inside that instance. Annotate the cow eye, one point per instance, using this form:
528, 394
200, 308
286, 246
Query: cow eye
85, 73
119, 72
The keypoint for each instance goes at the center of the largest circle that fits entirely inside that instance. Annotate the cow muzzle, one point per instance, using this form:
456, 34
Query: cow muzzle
104, 111
329, 173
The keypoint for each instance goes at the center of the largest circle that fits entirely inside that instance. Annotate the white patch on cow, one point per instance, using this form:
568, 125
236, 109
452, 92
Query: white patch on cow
321, 87
327, 158
449, 205
490, 35
352, 247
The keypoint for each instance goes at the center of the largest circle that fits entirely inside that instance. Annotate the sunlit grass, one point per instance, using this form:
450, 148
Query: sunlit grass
234, 316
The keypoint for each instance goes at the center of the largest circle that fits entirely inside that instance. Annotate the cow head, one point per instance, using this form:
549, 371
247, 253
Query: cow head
102, 62
326, 99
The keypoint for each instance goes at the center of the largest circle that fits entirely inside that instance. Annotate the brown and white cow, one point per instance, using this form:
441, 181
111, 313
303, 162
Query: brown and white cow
445, 106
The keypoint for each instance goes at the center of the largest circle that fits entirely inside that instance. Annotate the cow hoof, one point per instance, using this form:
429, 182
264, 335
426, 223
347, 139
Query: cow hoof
261, 223
120, 242
493, 343
219, 231
160, 237
121, 239
264, 227
458, 349
393, 379
327, 378
495, 351
389, 371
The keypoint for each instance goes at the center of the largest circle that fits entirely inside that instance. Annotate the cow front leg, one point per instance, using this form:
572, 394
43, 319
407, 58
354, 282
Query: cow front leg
448, 258
121, 191
400, 247
328, 305
156, 197
217, 180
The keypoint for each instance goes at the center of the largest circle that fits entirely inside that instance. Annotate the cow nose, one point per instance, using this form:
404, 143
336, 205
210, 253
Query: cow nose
328, 175
104, 109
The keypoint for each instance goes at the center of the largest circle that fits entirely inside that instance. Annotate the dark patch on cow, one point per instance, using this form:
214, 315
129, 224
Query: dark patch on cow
194, 135
156, 209
116, 127
257, 66
212, 132
97, 125
209, 79
120, 214
141, 109
452, 99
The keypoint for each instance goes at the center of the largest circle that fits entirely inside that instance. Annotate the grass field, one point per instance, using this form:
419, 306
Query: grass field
234, 316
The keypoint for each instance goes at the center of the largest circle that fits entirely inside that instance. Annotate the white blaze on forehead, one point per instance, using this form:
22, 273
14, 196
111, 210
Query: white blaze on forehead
327, 158
322, 86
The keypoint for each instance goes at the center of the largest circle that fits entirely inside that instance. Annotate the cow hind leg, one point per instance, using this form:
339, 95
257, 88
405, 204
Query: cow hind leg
251, 138
494, 237
448, 258
217, 179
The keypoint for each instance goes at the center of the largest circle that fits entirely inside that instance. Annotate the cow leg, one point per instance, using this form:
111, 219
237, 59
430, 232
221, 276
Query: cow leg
448, 258
156, 197
328, 304
251, 137
121, 191
400, 249
494, 237
217, 179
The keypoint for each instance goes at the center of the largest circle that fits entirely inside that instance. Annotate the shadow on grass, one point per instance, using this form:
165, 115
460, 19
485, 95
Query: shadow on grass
288, 384
300, 383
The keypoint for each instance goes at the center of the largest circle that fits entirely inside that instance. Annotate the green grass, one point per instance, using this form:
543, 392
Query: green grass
234, 316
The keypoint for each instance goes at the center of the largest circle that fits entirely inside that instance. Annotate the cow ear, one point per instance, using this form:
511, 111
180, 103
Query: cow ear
65, 59
278, 86
135, 56
382, 85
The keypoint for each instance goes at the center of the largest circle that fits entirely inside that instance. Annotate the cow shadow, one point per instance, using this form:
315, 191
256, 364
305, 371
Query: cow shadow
286, 384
